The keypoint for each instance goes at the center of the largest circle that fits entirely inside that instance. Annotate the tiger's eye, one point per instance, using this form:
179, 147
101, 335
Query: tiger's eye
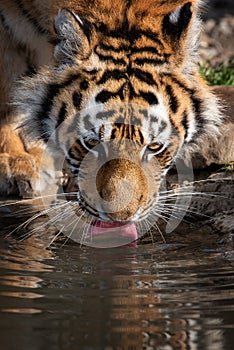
155, 147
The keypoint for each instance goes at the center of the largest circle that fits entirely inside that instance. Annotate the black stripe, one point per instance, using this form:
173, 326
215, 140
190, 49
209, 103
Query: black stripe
62, 114
145, 49
84, 85
73, 167
172, 99
162, 127
52, 91
31, 19
185, 124
79, 148
77, 99
113, 133
197, 108
119, 120
105, 96
142, 61
114, 49
70, 160
142, 140
125, 131
31, 69
149, 97
196, 105
145, 115
175, 131
43, 115
128, 3
129, 132
108, 57
153, 119
127, 49
164, 157
112, 74
152, 36
143, 76
120, 74
133, 50
77, 153
131, 35
179, 83
196, 102
92, 72
105, 115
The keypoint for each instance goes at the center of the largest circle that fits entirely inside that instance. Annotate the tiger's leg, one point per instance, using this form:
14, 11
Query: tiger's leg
19, 164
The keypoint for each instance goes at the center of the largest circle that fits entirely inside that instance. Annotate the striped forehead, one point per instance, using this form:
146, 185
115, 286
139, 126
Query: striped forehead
127, 131
126, 120
98, 114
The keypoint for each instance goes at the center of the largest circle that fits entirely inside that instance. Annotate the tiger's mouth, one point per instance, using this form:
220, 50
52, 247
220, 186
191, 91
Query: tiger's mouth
114, 230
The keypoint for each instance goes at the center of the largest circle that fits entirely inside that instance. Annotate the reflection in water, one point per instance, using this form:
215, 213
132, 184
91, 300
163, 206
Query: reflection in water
166, 297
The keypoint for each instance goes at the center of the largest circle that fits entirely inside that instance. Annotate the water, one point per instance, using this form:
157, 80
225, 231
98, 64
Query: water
178, 295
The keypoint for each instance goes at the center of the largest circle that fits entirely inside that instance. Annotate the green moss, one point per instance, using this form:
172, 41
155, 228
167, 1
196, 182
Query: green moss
218, 74
227, 167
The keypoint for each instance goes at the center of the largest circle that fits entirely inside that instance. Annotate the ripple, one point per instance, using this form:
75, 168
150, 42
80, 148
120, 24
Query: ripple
170, 296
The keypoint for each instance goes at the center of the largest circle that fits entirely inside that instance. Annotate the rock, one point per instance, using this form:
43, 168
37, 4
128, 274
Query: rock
224, 223
221, 150
211, 210
217, 192
212, 206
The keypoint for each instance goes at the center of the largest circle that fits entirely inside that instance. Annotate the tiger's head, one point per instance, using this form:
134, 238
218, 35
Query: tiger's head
122, 101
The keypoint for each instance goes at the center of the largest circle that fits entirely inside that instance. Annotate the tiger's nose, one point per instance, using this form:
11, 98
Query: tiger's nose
122, 186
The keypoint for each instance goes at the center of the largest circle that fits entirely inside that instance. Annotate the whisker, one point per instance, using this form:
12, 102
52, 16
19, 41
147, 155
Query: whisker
70, 234
30, 200
197, 195
160, 231
76, 221
150, 232
56, 236
188, 210
26, 223
39, 228
85, 232
148, 229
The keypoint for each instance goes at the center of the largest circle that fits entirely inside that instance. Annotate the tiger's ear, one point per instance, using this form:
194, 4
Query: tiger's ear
74, 34
176, 23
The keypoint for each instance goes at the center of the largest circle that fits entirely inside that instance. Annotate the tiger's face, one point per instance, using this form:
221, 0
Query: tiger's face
122, 100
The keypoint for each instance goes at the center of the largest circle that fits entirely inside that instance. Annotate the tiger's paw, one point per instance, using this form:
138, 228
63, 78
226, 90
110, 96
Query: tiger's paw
24, 174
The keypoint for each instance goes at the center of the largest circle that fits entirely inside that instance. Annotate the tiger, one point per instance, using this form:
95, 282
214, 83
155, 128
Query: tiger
115, 86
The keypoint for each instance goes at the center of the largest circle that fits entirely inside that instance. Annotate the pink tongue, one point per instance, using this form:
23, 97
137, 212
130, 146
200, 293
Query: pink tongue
127, 230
